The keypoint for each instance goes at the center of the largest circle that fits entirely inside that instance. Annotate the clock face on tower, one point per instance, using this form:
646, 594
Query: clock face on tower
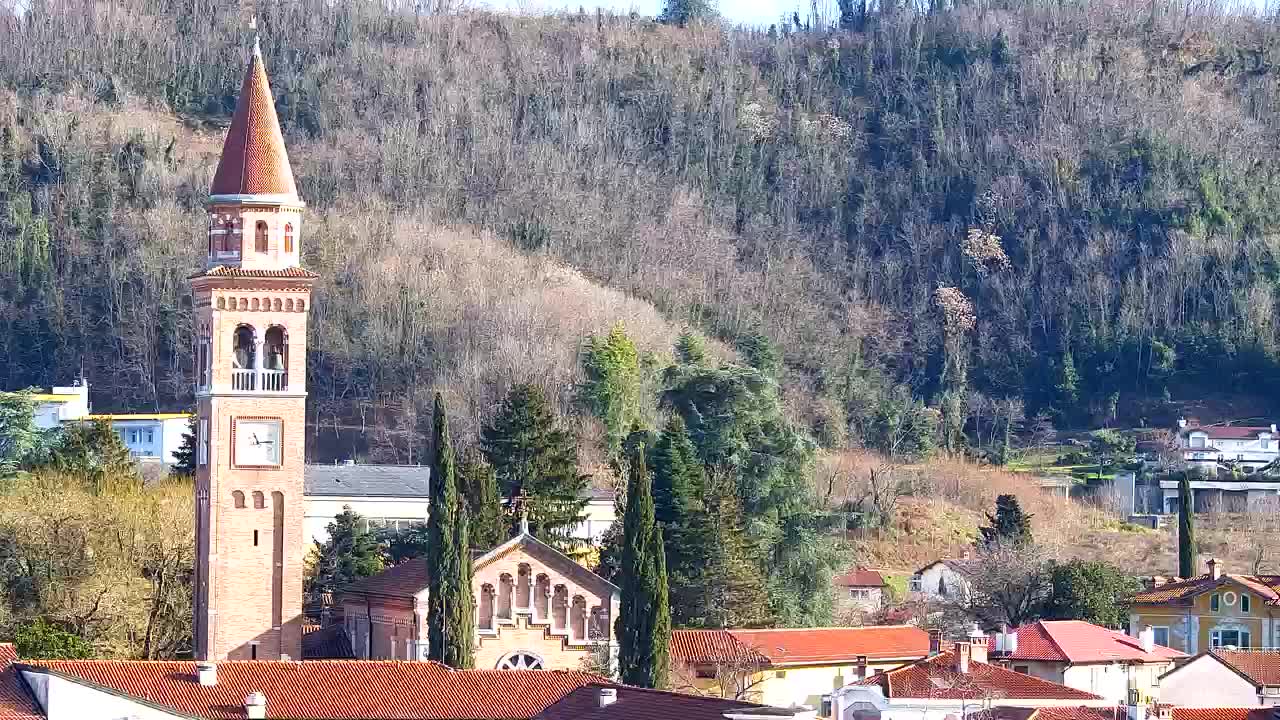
257, 442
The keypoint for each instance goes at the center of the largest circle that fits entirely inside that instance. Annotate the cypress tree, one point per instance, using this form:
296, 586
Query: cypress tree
447, 640
643, 626
460, 645
1186, 529
486, 523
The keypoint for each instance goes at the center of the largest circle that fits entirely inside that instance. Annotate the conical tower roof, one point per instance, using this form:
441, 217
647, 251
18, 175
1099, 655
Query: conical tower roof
254, 160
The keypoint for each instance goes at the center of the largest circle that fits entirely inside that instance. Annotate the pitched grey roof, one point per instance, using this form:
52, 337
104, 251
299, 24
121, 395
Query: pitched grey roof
366, 480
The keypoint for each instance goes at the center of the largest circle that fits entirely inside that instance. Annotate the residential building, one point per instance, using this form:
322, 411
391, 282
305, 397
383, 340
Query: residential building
385, 496
861, 590
792, 666
941, 580
1086, 657
150, 437
535, 609
1213, 610
957, 682
1224, 678
606, 702
1248, 447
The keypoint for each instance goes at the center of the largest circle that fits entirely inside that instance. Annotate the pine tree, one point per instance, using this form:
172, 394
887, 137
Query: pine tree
448, 640
611, 386
719, 585
677, 477
1009, 525
530, 454
643, 626
1186, 528
484, 502
185, 455
350, 553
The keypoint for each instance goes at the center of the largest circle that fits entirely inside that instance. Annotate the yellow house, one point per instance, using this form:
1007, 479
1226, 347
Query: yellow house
787, 667
1213, 610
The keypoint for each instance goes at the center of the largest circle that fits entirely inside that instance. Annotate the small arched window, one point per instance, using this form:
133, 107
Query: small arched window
238, 498
260, 237
288, 237
243, 356
227, 238
259, 501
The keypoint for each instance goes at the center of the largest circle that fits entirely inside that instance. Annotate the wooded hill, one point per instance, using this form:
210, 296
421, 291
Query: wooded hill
1096, 180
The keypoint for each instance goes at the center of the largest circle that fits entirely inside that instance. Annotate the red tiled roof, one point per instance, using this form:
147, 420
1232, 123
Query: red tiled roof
1261, 667
407, 578
798, 646
1223, 713
333, 689
937, 678
231, 271
643, 704
1066, 712
707, 647
1077, 641
861, 578
1229, 432
1266, 586
254, 160
15, 702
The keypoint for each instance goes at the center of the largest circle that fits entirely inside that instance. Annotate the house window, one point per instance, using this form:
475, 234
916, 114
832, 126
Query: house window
917, 584
202, 451
135, 437
1215, 603
1229, 638
780, 674
1197, 441
260, 237
288, 237
859, 594
151, 437
1162, 635
705, 672
1244, 602
1024, 669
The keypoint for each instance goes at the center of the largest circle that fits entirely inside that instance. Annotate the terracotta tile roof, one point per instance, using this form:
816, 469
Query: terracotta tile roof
799, 646
1266, 586
709, 647
232, 271
1077, 641
937, 678
254, 160
1224, 713
333, 689
16, 702
1261, 667
329, 643
1228, 432
407, 578
643, 704
1066, 712
861, 578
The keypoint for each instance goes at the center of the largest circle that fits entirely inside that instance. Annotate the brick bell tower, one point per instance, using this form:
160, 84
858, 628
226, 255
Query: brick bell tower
250, 308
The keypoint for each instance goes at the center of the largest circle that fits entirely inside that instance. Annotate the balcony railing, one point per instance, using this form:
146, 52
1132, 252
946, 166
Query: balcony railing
273, 380
244, 380
253, 380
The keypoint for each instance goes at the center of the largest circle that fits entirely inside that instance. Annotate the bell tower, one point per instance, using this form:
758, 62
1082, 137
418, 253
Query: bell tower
250, 308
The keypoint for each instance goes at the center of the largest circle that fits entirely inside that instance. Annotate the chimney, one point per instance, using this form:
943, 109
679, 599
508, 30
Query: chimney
860, 666
255, 706
1006, 641
607, 696
965, 555
1215, 568
1182, 423
1147, 638
1156, 581
207, 673
935, 641
964, 653
1273, 427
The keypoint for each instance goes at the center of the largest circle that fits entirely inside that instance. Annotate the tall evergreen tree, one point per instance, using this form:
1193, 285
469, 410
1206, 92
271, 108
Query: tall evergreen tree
185, 455
531, 454
460, 648
487, 526
719, 582
1186, 528
643, 626
677, 477
1010, 525
350, 553
611, 386
448, 641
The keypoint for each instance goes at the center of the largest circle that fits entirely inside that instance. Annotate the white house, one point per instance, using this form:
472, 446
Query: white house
150, 437
1224, 678
1251, 447
941, 580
